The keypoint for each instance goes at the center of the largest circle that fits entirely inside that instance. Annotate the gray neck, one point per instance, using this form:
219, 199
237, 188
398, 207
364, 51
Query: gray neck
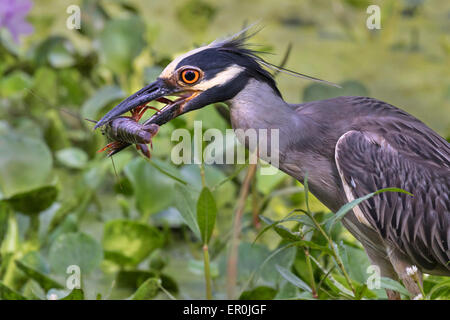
258, 107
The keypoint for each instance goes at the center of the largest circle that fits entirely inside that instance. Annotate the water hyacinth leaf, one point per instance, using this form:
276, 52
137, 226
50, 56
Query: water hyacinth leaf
292, 278
75, 294
101, 99
268, 182
151, 73
130, 242
34, 201
185, 204
133, 279
168, 170
44, 281
60, 55
77, 249
33, 291
148, 290
206, 214
153, 189
14, 84
196, 14
120, 43
259, 293
25, 163
387, 283
349, 206
35, 260
73, 158
7, 293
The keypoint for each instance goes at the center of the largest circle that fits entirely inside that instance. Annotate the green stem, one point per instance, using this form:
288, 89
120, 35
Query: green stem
311, 274
334, 253
207, 272
202, 174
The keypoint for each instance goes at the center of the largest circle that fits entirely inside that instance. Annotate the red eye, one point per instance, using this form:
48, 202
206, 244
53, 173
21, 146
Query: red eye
190, 76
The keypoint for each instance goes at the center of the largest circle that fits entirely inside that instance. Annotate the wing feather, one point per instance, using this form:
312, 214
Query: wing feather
420, 225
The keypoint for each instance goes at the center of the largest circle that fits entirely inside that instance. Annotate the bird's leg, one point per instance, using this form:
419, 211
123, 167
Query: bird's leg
401, 263
381, 260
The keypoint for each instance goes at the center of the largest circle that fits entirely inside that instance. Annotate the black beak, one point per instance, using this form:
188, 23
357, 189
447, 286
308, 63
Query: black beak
153, 91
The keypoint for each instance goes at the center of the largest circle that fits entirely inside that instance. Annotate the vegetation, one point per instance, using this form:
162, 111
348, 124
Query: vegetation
148, 229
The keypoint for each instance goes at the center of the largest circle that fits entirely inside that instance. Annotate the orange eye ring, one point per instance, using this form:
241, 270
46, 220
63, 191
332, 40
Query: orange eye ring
190, 76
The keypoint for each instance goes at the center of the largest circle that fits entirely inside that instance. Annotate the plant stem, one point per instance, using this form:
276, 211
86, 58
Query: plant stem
207, 272
334, 253
202, 174
311, 275
233, 257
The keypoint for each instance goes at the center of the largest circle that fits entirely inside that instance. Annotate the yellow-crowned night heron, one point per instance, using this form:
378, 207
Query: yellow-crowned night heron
349, 146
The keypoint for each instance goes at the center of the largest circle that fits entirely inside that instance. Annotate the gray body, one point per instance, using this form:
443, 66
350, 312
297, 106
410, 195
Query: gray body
351, 146
348, 146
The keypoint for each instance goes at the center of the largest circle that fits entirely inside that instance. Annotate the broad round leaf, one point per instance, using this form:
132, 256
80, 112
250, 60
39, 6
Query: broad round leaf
153, 189
130, 242
99, 100
120, 42
72, 158
75, 249
34, 201
25, 163
148, 290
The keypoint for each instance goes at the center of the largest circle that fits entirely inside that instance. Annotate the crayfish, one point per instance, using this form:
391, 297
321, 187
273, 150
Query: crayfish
123, 131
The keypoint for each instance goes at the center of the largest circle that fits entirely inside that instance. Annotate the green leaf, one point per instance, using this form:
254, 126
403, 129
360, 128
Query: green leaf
206, 214
349, 206
60, 57
153, 189
75, 249
442, 289
120, 43
25, 163
281, 230
14, 84
101, 99
75, 294
185, 204
130, 242
259, 293
133, 279
387, 283
44, 281
148, 290
34, 201
74, 158
168, 170
7, 293
292, 278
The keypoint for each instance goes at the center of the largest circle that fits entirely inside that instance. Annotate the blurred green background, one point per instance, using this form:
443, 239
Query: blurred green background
61, 202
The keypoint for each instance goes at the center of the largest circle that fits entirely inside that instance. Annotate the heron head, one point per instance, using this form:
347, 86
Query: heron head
206, 75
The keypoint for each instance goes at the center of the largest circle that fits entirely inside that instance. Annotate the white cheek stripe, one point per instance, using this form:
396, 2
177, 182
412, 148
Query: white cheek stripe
220, 78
